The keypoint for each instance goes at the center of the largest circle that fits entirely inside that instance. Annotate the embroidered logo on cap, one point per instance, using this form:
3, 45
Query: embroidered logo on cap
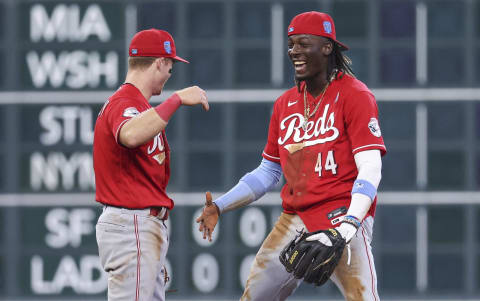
327, 26
167, 47
290, 29
134, 51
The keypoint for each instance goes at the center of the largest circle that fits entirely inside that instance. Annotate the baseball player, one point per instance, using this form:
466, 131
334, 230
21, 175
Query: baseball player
132, 168
324, 138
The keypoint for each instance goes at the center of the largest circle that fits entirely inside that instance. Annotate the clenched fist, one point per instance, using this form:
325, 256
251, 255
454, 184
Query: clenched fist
193, 95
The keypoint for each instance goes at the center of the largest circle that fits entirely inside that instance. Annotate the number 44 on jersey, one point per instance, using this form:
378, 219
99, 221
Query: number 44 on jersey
329, 163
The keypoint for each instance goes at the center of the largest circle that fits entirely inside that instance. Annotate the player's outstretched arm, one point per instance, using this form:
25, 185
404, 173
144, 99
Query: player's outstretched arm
209, 218
250, 188
143, 127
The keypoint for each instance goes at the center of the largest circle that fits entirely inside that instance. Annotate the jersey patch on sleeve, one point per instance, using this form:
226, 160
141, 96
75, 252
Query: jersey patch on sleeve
374, 127
130, 112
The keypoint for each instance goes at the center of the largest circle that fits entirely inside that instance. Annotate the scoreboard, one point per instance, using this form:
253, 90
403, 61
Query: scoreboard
47, 48
61, 60
70, 45
56, 148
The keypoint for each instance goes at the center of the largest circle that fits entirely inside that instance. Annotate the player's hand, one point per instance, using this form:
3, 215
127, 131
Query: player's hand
192, 96
209, 218
347, 231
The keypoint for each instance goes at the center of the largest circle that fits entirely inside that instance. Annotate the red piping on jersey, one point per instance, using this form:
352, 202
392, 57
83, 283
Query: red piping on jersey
369, 264
371, 145
135, 222
276, 158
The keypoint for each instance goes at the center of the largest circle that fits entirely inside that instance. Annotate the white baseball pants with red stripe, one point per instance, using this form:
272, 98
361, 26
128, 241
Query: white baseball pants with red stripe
268, 279
132, 246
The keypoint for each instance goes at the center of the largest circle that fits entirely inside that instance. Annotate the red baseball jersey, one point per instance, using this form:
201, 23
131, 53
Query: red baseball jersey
131, 178
318, 158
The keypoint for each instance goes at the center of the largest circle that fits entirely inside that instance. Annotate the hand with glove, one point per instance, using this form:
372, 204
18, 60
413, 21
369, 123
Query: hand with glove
348, 228
314, 256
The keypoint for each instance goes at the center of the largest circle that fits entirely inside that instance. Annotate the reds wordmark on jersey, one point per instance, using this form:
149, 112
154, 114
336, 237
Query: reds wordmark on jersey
317, 157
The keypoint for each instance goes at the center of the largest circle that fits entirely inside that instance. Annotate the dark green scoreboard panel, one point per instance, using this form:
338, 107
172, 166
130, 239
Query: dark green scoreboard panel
52, 147
61, 60
70, 45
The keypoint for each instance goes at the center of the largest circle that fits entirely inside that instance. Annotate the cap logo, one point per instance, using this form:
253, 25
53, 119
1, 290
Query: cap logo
134, 51
167, 47
290, 29
327, 26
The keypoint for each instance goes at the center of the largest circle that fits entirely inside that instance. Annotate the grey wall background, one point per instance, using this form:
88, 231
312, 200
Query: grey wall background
61, 60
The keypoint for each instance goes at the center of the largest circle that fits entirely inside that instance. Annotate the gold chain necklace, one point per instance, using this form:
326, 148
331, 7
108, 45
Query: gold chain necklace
306, 106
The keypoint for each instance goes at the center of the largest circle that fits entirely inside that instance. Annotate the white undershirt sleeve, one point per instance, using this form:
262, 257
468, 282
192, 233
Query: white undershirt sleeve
369, 165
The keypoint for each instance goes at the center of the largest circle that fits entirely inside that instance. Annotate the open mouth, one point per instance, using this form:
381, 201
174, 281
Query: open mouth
300, 66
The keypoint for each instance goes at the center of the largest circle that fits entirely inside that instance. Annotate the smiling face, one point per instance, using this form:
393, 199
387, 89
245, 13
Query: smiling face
309, 55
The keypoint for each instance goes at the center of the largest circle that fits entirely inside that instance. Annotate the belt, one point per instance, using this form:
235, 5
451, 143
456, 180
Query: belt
159, 212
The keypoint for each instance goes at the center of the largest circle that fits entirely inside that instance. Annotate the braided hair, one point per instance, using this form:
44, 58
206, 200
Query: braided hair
337, 63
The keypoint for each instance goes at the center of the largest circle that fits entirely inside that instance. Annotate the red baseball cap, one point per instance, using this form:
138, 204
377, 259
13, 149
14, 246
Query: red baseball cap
154, 43
314, 23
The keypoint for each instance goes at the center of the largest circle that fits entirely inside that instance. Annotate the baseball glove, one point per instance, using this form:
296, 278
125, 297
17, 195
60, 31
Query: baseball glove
313, 260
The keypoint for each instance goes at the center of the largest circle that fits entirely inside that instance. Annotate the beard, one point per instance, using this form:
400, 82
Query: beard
298, 79
306, 78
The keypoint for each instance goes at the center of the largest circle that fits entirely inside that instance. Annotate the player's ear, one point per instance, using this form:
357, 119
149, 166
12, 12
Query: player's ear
167, 63
163, 61
155, 66
327, 48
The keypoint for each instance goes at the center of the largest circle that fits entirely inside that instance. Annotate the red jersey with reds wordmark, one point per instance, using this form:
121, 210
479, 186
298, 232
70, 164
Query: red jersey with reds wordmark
131, 178
318, 160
